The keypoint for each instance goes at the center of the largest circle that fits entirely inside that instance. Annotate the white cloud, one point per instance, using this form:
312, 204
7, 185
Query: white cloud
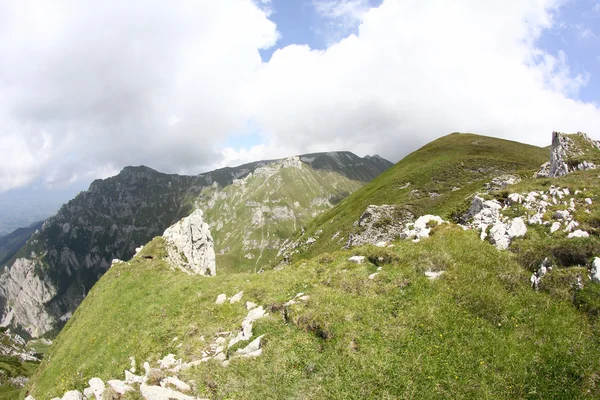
89, 87
120, 83
418, 70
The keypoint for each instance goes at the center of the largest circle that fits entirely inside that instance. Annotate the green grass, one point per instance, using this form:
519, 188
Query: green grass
479, 331
463, 161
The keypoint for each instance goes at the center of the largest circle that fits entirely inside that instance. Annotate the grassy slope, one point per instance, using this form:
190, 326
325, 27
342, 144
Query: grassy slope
463, 161
477, 332
294, 188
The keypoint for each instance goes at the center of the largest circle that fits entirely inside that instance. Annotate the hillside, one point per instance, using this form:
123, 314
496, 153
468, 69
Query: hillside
436, 179
48, 277
499, 299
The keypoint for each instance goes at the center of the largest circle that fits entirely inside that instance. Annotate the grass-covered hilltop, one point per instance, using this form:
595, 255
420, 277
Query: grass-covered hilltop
467, 270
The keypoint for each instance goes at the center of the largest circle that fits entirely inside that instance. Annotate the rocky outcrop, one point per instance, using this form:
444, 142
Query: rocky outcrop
24, 297
383, 223
190, 245
567, 153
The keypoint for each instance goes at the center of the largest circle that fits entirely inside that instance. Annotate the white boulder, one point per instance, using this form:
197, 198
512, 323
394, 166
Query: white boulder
595, 270
357, 259
190, 245
95, 389
221, 298
72, 395
578, 234
236, 298
160, 393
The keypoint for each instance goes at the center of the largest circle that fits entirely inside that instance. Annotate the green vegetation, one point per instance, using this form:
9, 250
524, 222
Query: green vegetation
436, 179
250, 221
479, 331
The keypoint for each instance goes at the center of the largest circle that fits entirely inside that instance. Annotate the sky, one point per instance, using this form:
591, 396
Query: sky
88, 87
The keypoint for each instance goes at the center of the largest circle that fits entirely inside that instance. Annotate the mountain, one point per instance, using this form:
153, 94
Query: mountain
47, 278
495, 297
12, 242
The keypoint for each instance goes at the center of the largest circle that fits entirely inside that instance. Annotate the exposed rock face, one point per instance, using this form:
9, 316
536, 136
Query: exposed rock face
383, 223
190, 245
566, 153
24, 297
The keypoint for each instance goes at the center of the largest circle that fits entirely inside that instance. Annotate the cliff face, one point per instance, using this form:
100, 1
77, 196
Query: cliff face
72, 250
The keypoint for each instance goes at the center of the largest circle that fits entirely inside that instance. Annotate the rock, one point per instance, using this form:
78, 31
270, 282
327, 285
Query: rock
179, 384
578, 234
381, 244
595, 270
357, 259
536, 219
169, 361
190, 245
246, 332
561, 214
132, 378
73, 395
433, 275
373, 275
499, 236
588, 201
160, 393
119, 386
537, 276
95, 389
382, 223
30, 397
250, 305
221, 298
570, 226
517, 228
500, 182
236, 298
555, 226
515, 198
252, 347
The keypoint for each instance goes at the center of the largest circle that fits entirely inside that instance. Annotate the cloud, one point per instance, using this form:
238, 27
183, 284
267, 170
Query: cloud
86, 84
418, 70
89, 87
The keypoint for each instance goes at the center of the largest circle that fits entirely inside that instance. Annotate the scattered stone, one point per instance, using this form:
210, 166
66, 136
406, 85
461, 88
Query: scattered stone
578, 234
357, 259
381, 244
570, 226
132, 378
169, 361
221, 298
236, 298
373, 275
515, 198
95, 389
588, 201
561, 214
555, 226
595, 270
160, 393
73, 395
250, 305
517, 228
433, 275
179, 384
119, 386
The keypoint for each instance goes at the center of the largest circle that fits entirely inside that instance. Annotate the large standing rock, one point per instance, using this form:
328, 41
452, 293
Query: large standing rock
564, 151
191, 245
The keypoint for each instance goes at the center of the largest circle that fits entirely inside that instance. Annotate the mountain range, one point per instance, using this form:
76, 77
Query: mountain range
470, 269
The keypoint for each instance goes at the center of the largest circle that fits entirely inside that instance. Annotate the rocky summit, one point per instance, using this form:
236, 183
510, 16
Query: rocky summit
461, 271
